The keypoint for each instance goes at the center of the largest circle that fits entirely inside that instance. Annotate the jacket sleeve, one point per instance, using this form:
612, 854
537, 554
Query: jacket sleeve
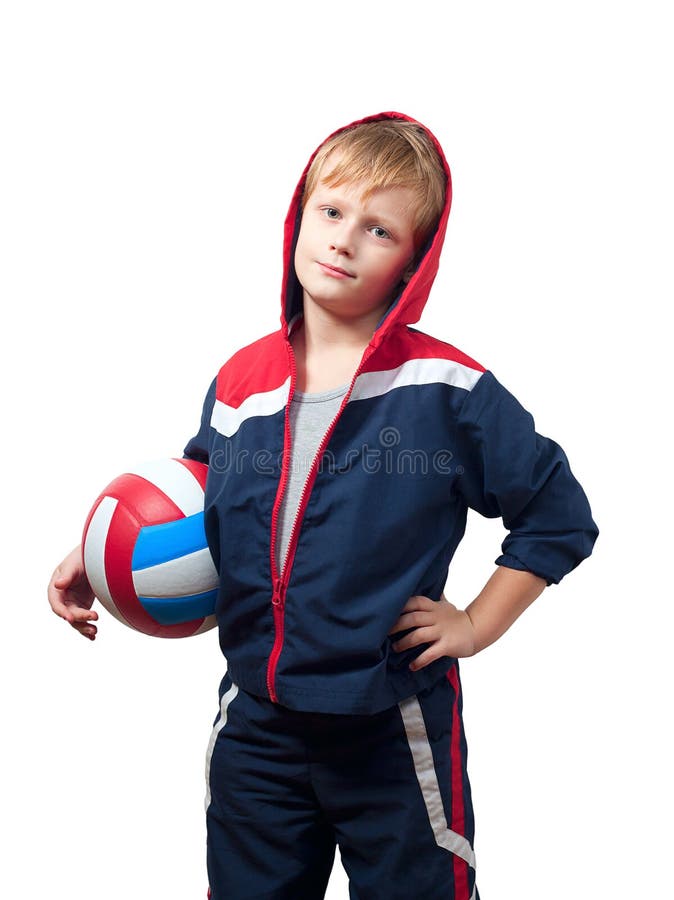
511, 471
198, 447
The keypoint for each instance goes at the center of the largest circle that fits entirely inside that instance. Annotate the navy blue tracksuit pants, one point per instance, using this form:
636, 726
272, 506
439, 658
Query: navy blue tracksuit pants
285, 787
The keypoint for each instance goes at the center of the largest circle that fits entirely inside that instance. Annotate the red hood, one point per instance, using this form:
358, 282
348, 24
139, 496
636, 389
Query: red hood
407, 308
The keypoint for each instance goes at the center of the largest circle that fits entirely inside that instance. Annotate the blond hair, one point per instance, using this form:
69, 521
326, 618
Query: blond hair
385, 153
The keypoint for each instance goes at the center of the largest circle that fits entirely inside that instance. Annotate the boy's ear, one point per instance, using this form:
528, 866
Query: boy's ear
409, 269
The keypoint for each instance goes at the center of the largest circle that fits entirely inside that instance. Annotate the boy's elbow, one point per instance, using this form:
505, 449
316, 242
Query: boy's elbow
550, 555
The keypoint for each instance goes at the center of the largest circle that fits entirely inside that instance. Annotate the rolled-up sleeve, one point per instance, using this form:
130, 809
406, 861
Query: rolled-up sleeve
511, 471
198, 447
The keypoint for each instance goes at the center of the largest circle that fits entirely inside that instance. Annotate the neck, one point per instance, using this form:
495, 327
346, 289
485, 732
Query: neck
324, 332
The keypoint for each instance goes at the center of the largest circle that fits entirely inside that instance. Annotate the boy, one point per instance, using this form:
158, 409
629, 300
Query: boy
340, 711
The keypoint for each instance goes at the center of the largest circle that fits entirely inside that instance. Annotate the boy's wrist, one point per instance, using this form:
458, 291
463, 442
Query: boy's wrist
501, 601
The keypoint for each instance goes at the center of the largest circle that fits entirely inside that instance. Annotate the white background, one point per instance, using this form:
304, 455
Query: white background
149, 152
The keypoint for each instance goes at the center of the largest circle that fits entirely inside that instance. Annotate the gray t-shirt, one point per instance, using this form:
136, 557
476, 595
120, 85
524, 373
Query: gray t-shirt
310, 417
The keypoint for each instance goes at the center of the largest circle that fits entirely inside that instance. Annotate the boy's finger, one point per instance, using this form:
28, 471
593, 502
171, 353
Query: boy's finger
55, 601
58, 607
80, 614
61, 578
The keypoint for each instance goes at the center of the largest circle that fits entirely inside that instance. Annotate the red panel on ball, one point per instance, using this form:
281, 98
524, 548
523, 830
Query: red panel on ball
142, 498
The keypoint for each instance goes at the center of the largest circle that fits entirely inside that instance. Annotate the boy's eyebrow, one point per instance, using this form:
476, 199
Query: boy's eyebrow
392, 224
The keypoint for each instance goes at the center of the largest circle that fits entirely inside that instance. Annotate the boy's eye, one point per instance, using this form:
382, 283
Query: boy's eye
380, 232
331, 212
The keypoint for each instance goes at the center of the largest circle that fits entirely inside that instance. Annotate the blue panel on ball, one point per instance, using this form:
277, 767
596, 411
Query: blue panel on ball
174, 610
157, 544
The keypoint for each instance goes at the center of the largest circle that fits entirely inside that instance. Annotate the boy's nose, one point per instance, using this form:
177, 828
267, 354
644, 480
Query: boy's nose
342, 243
342, 239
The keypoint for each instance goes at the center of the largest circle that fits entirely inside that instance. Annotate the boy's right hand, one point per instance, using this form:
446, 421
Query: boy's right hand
70, 595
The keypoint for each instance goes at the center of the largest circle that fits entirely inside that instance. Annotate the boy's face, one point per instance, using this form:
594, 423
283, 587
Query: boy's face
352, 253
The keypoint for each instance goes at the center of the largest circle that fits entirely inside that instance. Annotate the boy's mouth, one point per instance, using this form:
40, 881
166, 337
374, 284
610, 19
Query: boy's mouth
335, 271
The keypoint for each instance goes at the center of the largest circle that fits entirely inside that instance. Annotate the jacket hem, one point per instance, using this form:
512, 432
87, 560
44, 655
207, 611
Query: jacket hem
333, 700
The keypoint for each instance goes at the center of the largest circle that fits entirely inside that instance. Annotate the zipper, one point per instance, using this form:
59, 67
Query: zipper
280, 581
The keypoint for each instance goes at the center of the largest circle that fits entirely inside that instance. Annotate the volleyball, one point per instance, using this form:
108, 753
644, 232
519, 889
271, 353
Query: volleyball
145, 552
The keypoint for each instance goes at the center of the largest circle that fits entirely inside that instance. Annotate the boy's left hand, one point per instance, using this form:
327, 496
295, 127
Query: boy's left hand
439, 623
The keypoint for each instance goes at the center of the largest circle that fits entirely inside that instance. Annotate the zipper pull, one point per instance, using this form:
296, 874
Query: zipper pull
276, 595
